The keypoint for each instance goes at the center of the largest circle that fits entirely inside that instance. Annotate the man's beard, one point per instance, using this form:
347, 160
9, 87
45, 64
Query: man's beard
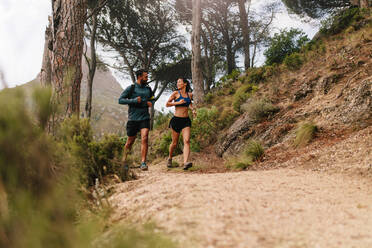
143, 81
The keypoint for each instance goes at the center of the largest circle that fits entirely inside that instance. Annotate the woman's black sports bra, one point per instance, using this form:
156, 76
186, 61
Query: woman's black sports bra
187, 100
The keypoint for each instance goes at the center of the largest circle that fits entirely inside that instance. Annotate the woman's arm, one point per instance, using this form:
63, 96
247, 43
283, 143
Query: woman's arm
170, 102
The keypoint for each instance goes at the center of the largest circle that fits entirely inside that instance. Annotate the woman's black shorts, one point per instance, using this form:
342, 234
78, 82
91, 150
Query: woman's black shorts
179, 123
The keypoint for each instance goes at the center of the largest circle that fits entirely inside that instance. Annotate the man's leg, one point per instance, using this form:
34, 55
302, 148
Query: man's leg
144, 143
128, 147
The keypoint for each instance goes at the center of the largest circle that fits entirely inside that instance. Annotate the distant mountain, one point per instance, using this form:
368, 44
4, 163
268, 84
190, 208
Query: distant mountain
107, 115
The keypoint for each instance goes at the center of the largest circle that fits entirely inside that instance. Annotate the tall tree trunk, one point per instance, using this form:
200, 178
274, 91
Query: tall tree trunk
92, 66
45, 75
68, 33
197, 76
245, 31
362, 3
230, 57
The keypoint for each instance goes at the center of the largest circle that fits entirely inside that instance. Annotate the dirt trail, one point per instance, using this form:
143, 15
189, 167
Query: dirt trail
274, 208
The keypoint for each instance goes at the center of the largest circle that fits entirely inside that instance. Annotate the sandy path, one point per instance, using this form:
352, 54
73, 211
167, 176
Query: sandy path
275, 208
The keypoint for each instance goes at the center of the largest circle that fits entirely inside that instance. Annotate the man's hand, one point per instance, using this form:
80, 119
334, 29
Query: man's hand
139, 99
149, 104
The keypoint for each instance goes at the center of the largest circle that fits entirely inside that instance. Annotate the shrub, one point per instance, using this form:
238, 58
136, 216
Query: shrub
226, 117
95, 159
208, 97
164, 142
161, 119
305, 133
204, 127
284, 44
40, 202
294, 61
337, 23
242, 94
255, 75
254, 150
258, 110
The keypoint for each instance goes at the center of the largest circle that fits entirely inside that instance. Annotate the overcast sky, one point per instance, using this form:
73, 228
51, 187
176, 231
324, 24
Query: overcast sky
22, 27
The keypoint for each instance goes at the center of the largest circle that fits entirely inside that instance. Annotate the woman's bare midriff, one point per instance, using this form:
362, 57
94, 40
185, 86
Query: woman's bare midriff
181, 112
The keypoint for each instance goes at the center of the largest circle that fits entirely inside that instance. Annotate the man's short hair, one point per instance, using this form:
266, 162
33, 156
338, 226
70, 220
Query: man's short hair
140, 72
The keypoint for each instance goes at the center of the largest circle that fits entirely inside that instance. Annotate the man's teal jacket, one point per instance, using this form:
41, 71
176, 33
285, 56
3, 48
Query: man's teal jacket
137, 111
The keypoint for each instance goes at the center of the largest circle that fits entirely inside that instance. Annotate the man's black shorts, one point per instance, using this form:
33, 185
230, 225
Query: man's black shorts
133, 127
179, 123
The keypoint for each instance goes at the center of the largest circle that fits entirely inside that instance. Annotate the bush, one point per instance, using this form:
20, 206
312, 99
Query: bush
204, 128
242, 94
161, 119
294, 61
162, 147
337, 23
41, 200
95, 159
258, 110
254, 150
305, 133
284, 44
255, 75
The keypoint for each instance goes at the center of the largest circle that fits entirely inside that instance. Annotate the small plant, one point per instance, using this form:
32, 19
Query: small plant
242, 94
258, 110
305, 133
204, 127
254, 150
255, 75
294, 61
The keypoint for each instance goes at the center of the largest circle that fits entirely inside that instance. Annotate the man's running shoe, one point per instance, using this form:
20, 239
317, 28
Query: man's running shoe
143, 166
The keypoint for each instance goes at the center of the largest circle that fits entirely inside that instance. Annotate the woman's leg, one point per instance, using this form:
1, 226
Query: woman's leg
186, 144
173, 145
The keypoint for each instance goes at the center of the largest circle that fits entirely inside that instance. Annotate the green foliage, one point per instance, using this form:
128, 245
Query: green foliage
254, 150
233, 76
314, 8
305, 133
260, 109
284, 44
162, 146
255, 75
32, 190
337, 23
208, 97
242, 94
40, 203
43, 107
204, 127
294, 61
161, 120
95, 159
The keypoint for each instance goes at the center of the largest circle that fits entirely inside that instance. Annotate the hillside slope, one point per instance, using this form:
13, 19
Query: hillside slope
107, 115
332, 90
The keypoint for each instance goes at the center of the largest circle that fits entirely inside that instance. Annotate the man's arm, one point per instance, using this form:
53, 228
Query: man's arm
123, 99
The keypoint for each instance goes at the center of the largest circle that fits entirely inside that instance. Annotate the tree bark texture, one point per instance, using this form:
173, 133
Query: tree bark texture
68, 33
197, 76
92, 66
245, 32
362, 3
45, 75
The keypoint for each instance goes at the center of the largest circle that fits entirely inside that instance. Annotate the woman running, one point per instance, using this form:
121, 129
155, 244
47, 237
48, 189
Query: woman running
181, 122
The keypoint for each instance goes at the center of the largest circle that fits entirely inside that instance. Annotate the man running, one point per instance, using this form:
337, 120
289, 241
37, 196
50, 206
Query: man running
139, 97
